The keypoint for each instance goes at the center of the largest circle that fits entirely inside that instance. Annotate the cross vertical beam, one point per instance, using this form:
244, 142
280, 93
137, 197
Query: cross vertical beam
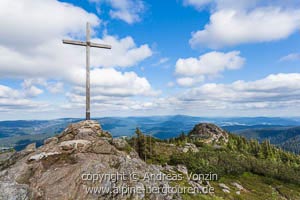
88, 44
88, 86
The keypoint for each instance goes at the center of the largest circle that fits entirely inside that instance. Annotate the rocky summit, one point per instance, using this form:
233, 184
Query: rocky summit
209, 133
63, 167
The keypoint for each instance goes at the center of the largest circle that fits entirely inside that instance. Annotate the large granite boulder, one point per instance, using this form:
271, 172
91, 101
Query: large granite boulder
61, 169
209, 133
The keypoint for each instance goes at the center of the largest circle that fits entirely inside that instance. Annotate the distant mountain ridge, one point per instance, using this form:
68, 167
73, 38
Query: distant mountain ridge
19, 133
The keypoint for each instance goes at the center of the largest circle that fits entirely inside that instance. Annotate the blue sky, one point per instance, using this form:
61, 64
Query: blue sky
193, 57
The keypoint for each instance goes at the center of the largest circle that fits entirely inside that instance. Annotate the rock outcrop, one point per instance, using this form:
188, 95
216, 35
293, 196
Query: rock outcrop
190, 147
70, 166
209, 133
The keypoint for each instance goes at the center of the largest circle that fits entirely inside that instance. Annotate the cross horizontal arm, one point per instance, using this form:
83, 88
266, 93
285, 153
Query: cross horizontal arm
73, 42
91, 44
103, 46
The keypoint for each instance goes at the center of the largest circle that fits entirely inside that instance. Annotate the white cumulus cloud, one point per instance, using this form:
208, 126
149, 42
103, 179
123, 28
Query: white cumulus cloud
125, 53
273, 88
30, 23
39, 53
189, 81
247, 22
291, 57
193, 70
110, 82
12, 99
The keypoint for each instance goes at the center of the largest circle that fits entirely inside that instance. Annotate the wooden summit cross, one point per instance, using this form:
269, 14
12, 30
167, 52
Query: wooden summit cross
87, 44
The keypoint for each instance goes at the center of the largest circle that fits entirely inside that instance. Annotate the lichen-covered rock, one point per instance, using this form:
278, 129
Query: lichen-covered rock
103, 147
30, 148
9, 158
197, 185
190, 147
238, 186
120, 143
59, 169
209, 133
4, 157
51, 140
182, 169
77, 145
226, 190
223, 186
13, 191
42, 155
86, 130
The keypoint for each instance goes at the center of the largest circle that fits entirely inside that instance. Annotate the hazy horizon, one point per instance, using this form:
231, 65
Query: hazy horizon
154, 116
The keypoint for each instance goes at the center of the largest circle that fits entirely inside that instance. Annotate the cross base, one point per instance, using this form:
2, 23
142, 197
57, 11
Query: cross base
88, 116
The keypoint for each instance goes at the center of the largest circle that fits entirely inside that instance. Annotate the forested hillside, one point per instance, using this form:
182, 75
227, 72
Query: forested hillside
287, 138
267, 170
